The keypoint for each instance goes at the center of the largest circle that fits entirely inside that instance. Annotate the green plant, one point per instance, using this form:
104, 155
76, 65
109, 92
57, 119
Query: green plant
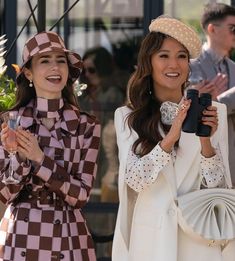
7, 85
7, 92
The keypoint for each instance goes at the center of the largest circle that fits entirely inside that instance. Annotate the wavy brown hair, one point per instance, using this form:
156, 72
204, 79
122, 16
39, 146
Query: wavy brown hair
145, 115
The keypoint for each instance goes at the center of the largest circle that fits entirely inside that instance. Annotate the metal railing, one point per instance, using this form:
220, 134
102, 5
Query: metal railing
101, 208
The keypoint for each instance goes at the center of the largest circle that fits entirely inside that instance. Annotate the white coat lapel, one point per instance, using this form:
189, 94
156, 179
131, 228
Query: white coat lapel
189, 145
169, 173
125, 139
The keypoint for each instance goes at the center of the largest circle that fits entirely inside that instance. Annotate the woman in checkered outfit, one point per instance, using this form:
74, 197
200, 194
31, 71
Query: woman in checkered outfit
55, 160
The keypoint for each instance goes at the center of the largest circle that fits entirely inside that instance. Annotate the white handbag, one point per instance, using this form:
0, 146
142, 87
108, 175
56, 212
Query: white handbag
208, 215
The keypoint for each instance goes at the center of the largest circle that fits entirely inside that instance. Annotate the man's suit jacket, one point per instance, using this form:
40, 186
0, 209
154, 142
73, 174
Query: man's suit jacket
205, 66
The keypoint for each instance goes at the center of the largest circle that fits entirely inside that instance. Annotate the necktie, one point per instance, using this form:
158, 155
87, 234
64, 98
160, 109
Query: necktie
222, 66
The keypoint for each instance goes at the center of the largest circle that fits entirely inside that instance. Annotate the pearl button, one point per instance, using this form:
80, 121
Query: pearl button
57, 222
26, 219
23, 253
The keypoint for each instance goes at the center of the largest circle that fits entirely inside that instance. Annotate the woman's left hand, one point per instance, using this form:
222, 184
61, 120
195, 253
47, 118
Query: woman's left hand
210, 118
28, 146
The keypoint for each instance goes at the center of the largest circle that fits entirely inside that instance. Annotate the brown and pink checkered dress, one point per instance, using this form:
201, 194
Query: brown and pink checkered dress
43, 220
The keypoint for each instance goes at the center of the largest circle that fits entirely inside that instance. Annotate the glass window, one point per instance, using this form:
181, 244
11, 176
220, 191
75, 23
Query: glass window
189, 11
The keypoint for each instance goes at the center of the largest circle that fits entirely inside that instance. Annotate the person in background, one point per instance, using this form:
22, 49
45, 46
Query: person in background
56, 159
214, 68
124, 55
101, 97
158, 161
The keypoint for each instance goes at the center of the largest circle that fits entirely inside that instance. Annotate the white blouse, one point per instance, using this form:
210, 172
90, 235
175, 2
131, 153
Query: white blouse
143, 171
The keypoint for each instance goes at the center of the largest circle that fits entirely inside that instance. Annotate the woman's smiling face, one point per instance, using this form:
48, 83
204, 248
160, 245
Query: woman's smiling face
49, 73
170, 69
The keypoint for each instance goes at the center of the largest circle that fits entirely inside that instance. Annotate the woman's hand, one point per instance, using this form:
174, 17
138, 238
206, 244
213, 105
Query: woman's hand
174, 133
4, 135
210, 118
28, 146
176, 127
215, 87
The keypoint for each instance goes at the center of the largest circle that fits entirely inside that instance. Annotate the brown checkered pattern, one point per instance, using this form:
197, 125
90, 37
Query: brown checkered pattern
30, 232
47, 42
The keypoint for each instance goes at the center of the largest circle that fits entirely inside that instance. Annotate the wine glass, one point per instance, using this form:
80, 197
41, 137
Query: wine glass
13, 122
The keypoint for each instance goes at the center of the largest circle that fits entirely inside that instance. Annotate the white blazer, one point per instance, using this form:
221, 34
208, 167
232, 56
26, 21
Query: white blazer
147, 224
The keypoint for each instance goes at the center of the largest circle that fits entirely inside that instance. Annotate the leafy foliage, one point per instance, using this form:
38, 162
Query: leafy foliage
7, 92
7, 85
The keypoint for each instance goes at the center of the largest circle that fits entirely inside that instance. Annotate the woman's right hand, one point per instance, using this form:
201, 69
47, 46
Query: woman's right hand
28, 147
4, 135
173, 135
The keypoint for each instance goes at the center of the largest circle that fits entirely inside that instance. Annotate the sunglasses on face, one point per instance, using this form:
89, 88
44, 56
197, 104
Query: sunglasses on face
90, 70
231, 27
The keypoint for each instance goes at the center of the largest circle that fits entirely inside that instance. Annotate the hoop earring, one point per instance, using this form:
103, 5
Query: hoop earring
31, 84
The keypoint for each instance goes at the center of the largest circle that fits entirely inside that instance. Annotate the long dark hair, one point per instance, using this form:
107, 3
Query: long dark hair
145, 115
24, 93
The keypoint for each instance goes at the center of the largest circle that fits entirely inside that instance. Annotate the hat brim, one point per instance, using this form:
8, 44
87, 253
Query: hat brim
179, 31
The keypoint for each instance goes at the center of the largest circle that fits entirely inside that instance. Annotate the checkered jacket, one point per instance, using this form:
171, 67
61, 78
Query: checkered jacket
50, 232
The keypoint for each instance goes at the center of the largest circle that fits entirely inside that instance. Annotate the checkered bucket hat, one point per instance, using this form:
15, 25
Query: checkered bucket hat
46, 42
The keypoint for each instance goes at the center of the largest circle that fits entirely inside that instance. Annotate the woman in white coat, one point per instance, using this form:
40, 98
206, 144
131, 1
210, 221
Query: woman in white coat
159, 162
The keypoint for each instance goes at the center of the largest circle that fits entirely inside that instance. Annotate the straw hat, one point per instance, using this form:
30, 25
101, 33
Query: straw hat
46, 42
179, 31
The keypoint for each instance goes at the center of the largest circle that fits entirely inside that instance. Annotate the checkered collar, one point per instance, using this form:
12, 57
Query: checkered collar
68, 114
49, 108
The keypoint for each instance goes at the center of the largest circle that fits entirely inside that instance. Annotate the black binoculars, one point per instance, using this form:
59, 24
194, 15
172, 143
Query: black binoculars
193, 121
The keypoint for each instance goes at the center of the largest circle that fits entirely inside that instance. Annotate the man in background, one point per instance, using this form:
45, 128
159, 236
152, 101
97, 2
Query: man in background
214, 69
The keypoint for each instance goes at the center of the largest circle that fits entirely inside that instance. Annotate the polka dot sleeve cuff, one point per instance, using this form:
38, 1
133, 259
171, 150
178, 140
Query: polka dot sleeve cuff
212, 171
141, 172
